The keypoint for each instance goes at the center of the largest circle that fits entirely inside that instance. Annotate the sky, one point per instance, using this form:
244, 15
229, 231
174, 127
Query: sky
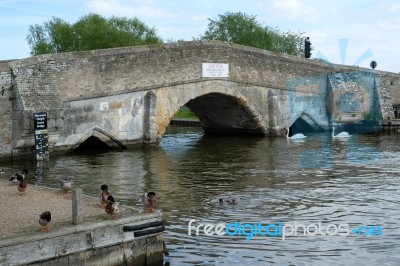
350, 32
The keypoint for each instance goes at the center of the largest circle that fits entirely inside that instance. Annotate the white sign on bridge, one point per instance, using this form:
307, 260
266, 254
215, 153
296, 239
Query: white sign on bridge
215, 70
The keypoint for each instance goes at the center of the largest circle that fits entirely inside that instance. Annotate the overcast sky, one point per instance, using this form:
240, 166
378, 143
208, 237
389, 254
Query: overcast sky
343, 31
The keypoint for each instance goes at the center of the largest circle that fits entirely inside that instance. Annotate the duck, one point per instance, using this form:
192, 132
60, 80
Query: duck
342, 134
295, 136
66, 184
111, 207
2, 171
104, 195
14, 178
44, 221
21, 185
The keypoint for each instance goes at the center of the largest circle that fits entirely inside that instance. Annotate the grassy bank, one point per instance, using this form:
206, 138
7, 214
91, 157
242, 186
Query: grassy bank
185, 113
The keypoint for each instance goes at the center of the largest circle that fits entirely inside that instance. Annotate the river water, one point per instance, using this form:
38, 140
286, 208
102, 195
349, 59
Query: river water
319, 182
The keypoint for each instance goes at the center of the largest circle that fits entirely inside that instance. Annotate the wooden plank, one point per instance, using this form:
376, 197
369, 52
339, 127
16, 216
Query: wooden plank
77, 206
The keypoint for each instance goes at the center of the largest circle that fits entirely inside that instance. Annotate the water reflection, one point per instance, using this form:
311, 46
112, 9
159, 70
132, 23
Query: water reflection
355, 181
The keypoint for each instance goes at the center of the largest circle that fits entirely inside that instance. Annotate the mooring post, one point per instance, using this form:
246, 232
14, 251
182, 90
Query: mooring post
76, 206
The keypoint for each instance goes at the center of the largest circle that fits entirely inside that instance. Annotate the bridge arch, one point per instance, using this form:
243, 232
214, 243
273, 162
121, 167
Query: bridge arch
224, 114
96, 139
221, 107
305, 122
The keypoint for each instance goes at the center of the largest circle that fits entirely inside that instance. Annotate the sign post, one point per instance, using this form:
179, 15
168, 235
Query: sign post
41, 137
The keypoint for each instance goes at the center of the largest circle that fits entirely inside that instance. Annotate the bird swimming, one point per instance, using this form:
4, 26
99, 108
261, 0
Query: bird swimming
295, 136
44, 221
2, 171
66, 184
342, 134
14, 178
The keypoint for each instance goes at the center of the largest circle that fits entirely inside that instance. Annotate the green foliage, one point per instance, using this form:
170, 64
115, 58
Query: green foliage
288, 42
241, 28
96, 32
89, 32
238, 28
38, 37
185, 113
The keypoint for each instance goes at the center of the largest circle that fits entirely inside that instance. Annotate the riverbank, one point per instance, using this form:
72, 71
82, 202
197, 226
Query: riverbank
20, 213
186, 122
132, 238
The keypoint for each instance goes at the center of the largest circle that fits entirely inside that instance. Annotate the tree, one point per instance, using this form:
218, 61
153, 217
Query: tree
37, 38
89, 32
288, 42
238, 28
241, 28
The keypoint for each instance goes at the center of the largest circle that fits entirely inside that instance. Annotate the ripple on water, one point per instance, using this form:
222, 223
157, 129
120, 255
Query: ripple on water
272, 180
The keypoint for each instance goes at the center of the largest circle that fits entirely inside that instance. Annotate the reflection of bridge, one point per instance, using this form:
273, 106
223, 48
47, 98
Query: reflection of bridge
129, 95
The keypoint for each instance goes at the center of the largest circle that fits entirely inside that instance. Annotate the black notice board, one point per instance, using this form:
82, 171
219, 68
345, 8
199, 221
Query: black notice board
41, 137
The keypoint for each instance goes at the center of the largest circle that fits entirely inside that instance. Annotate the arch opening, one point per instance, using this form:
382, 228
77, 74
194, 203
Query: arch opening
97, 140
92, 144
222, 114
305, 124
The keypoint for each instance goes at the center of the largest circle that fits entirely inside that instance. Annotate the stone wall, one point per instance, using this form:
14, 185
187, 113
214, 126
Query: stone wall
122, 92
90, 243
6, 100
388, 85
73, 76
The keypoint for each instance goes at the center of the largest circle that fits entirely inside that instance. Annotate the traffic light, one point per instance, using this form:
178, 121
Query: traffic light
307, 48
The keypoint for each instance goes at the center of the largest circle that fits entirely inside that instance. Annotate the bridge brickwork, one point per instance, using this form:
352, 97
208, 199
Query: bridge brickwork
128, 96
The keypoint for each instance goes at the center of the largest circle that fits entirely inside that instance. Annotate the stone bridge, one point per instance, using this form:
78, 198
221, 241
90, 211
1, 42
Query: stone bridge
127, 96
